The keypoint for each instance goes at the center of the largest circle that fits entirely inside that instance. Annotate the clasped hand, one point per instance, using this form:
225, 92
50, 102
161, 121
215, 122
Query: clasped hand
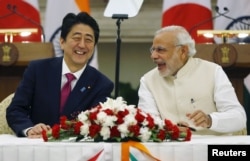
36, 131
199, 118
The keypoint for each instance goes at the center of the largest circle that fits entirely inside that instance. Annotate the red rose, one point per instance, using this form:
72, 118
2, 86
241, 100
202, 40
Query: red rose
44, 135
161, 135
188, 135
139, 117
77, 127
119, 120
120, 115
93, 115
108, 112
176, 132
135, 129
168, 125
114, 132
150, 120
56, 131
64, 123
94, 129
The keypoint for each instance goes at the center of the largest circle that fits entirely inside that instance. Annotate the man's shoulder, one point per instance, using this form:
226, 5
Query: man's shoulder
205, 62
96, 73
46, 60
202, 65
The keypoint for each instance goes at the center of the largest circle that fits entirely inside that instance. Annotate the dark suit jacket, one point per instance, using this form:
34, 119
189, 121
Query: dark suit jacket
37, 99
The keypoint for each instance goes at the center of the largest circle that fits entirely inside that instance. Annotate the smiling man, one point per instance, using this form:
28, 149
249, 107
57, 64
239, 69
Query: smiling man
187, 90
39, 101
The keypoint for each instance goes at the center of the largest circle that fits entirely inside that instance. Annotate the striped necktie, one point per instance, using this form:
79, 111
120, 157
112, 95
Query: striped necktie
66, 90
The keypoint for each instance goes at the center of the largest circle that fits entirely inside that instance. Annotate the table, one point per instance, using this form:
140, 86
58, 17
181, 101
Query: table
24, 149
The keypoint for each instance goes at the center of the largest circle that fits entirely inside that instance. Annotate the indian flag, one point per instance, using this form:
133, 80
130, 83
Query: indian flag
237, 18
54, 14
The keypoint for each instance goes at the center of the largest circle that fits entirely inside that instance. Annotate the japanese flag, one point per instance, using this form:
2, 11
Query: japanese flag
191, 14
21, 14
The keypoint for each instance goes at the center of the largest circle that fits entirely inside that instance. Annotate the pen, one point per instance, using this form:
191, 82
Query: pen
191, 128
192, 102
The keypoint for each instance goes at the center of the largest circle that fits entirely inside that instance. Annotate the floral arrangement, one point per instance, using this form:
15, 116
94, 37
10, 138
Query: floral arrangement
115, 121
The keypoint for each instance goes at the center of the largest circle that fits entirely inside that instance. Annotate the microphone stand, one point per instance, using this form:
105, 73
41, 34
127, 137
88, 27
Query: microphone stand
224, 38
119, 17
231, 18
208, 20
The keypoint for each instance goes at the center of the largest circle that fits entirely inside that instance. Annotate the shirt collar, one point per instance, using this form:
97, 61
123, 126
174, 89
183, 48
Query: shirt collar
65, 70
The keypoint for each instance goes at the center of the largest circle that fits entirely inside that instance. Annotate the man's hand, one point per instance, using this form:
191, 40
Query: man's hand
36, 131
183, 125
200, 119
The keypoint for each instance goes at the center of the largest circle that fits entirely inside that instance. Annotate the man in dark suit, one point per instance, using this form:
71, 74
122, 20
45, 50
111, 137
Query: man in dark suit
36, 104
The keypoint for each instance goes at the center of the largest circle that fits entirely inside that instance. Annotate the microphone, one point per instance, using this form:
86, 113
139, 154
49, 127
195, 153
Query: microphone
6, 15
210, 19
231, 18
13, 9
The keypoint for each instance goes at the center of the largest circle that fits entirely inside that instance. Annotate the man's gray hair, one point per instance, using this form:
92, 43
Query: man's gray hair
182, 37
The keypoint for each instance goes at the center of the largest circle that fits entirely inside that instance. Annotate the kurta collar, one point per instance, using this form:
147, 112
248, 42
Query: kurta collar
186, 68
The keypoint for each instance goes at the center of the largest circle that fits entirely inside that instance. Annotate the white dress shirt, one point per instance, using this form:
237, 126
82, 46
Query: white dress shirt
66, 70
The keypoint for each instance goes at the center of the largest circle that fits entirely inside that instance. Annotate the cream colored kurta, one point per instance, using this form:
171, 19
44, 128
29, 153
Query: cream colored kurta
191, 89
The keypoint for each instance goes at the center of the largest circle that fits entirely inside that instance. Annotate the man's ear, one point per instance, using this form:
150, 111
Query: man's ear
184, 51
61, 41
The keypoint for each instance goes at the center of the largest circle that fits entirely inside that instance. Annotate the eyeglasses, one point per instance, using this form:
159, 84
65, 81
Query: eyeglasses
157, 49
161, 50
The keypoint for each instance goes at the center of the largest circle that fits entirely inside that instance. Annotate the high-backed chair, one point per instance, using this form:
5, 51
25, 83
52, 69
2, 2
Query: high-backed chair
4, 128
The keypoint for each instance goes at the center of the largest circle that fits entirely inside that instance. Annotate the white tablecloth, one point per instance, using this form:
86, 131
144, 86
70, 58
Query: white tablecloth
24, 149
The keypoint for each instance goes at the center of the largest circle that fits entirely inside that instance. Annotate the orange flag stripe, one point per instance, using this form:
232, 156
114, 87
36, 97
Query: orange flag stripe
125, 150
83, 5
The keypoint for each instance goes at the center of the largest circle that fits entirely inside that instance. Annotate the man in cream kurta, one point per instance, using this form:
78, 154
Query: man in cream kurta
189, 90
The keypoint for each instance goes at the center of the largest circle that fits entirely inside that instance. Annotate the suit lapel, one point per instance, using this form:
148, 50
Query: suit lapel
80, 92
54, 84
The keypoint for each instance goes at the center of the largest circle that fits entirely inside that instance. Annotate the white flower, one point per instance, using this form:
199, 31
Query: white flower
131, 109
144, 123
109, 121
123, 128
101, 117
105, 120
83, 116
158, 121
84, 129
145, 134
105, 132
130, 120
114, 103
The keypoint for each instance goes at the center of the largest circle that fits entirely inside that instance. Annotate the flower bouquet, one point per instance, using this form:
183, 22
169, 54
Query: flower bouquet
115, 121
